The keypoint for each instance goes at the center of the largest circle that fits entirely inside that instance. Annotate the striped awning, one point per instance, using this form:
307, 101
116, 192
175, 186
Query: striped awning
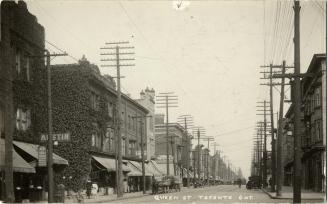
19, 164
134, 171
138, 165
110, 164
32, 149
153, 169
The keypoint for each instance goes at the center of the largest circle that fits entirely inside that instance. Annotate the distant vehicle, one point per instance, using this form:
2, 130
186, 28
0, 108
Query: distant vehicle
254, 182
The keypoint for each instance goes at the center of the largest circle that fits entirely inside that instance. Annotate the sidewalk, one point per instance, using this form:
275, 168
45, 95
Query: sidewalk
108, 198
287, 193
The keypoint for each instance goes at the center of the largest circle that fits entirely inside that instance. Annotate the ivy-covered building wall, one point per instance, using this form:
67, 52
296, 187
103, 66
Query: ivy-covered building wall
22, 48
84, 105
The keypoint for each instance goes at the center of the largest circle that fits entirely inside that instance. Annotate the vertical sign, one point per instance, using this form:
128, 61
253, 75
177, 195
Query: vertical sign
42, 156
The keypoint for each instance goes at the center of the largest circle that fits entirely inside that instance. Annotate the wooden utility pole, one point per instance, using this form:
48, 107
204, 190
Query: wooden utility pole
50, 136
187, 120
9, 125
207, 157
199, 131
280, 137
117, 47
168, 100
265, 142
273, 158
142, 147
297, 107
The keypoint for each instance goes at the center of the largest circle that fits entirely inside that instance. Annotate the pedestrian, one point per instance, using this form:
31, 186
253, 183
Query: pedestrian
88, 188
270, 182
154, 190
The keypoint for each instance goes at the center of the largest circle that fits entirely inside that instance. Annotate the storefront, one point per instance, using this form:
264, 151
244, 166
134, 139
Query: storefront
30, 176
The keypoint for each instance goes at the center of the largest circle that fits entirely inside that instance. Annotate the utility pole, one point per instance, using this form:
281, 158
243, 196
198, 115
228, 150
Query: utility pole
265, 141
50, 134
188, 121
207, 156
296, 100
271, 84
9, 123
168, 100
215, 161
280, 137
116, 46
297, 107
142, 147
199, 131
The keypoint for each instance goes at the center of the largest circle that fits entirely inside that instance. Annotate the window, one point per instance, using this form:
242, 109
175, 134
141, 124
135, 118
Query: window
131, 148
318, 130
110, 109
96, 136
2, 123
28, 78
95, 101
129, 122
108, 144
23, 119
123, 147
317, 97
106, 141
17, 61
151, 124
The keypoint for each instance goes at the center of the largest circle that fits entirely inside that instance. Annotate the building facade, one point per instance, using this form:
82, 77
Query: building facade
85, 106
147, 100
23, 103
175, 145
313, 131
312, 143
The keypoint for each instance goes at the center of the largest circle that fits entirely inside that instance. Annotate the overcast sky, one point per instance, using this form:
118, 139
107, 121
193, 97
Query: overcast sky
207, 52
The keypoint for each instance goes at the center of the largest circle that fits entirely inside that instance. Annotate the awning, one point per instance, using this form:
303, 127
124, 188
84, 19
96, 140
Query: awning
19, 164
110, 164
138, 165
163, 168
153, 169
134, 171
32, 149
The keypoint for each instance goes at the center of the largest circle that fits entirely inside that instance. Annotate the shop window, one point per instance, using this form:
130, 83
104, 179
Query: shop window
18, 61
2, 122
23, 119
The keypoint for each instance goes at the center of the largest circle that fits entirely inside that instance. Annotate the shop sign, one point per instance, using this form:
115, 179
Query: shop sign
42, 156
61, 137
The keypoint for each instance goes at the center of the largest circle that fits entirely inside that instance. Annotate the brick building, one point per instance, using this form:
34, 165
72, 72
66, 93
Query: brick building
175, 145
313, 131
312, 142
85, 106
147, 100
23, 101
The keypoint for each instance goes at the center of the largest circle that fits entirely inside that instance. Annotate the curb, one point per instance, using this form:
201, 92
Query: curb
275, 197
122, 198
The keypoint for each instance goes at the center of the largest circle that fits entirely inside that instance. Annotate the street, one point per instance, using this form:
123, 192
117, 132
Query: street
214, 194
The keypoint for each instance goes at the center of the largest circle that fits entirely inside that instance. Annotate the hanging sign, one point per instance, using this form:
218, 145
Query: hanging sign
42, 156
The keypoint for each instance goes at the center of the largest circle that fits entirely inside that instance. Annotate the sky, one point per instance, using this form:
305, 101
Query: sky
208, 53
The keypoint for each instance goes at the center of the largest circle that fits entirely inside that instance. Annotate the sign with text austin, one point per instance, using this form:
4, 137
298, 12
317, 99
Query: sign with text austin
61, 137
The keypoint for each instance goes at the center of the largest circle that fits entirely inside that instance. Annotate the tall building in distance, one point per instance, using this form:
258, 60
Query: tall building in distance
147, 101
